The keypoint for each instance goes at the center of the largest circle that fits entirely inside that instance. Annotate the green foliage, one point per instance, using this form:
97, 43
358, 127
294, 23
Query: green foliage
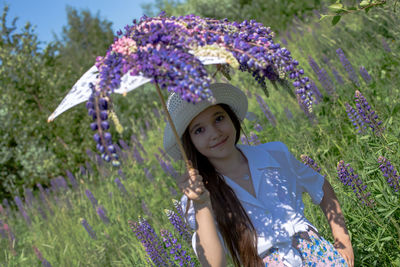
275, 14
33, 81
337, 10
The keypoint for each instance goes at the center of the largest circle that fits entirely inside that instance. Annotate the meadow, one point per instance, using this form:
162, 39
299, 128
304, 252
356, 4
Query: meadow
98, 214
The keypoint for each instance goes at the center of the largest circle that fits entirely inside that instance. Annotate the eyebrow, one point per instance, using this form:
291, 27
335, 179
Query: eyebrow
197, 124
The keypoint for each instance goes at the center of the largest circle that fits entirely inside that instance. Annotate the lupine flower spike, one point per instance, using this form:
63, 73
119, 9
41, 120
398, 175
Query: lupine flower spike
390, 173
151, 242
39, 255
349, 178
348, 67
311, 163
364, 73
179, 225
368, 115
175, 249
88, 229
355, 118
266, 110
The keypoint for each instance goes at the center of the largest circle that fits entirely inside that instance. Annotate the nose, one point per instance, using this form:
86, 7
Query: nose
215, 132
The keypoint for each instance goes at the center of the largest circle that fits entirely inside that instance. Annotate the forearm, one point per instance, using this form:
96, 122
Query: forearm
331, 208
208, 245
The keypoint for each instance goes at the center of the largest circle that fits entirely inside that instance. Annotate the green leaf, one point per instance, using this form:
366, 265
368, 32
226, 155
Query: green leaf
323, 17
336, 7
388, 238
364, 3
367, 9
335, 20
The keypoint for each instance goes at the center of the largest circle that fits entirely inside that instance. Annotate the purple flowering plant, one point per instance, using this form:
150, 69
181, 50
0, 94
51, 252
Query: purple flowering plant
390, 173
167, 50
347, 176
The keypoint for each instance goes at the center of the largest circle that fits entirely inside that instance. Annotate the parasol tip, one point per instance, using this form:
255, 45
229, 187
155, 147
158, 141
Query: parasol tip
50, 119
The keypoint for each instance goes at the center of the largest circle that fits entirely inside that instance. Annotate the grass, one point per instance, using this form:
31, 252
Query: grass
331, 137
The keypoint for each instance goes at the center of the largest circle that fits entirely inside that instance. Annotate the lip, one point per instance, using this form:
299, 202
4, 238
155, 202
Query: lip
221, 143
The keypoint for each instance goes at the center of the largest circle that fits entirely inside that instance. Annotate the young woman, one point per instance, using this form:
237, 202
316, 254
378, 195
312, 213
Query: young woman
246, 201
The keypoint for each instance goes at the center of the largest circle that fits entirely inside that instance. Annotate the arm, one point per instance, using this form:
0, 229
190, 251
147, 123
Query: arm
331, 208
208, 245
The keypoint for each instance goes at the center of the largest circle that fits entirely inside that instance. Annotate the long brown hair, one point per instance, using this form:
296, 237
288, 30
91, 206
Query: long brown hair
233, 222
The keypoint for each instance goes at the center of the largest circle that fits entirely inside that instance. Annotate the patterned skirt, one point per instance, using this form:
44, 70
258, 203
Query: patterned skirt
314, 250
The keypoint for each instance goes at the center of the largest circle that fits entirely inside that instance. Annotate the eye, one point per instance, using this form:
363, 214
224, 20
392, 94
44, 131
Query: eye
198, 130
220, 118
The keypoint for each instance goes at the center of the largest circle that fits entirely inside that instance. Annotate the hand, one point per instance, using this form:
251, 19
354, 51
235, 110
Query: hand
346, 250
191, 184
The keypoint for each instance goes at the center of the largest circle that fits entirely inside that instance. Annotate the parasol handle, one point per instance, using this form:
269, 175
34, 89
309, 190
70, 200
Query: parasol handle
178, 140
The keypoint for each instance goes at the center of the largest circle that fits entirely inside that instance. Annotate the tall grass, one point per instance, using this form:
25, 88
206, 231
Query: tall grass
56, 235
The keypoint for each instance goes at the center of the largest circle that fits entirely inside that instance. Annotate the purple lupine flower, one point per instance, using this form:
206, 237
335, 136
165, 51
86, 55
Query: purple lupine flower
267, 112
42, 213
364, 73
175, 249
89, 153
72, 179
314, 66
2, 231
347, 66
316, 92
368, 115
390, 173
91, 197
355, 118
179, 225
156, 113
102, 214
283, 40
124, 145
349, 178
137, 156
244, 139
288, 35
254, 139
39, 255
148, 174
22, 210
150, 241
82, 170
337, 76
99, 160
88, 229
386, 46
28, 197
178, 207
172, 191
311, 163
43, 198
121, 174
121, 187
326, 82
164, 154
288, 113
258, 127
89, 168
58, 184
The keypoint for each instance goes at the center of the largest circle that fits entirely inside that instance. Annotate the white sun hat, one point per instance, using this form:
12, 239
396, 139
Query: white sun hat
183, 112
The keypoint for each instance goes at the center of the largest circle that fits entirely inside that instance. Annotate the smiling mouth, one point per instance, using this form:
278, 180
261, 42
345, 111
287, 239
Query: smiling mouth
220, 143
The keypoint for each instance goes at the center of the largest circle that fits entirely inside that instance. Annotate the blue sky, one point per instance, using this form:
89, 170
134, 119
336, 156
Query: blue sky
48, 16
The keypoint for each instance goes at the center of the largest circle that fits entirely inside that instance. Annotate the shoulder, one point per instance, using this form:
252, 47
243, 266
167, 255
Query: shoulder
274, 146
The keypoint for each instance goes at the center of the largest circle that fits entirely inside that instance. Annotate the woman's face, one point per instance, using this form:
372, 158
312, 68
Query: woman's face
212, 133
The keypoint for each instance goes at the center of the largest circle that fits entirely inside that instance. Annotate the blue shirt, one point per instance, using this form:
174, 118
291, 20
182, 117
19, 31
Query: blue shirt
276, 212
